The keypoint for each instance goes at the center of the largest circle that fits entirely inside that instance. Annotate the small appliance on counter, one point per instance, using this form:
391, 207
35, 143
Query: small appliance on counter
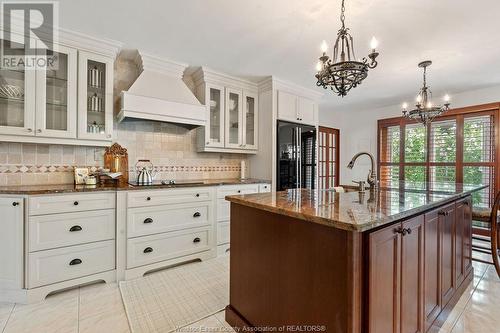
145, 172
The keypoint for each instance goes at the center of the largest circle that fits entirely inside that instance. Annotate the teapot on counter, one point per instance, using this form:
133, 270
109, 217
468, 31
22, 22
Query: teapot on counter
145, 172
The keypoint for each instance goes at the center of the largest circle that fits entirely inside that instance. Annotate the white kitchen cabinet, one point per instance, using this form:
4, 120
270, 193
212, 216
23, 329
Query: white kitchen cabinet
17, 98
234, 118
296, 108
250, 120
56, 96
214, 131
11, 244
61, 105
232, 113
95, 96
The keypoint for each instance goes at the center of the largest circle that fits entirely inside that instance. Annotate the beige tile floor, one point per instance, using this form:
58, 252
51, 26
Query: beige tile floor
99, 308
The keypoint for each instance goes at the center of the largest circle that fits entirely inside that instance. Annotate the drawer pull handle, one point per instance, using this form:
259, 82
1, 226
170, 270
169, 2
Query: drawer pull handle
197, 195
148, 220
75, 262
148, 198
466, 203
75, 228
408, 231
442, 213
75, 203
148, 250
15, 204
197, 214
197, 240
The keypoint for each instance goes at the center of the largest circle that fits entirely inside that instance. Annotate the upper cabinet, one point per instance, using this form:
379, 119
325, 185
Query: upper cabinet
297, 109
232, 113
95, 96
68, 103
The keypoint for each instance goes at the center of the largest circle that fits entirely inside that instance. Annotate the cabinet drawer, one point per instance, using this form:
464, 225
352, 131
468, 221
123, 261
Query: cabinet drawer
68, 203
58, 230
150, 249
263, 188
51, 266
153, 220
222, 233
170, 196
223, 191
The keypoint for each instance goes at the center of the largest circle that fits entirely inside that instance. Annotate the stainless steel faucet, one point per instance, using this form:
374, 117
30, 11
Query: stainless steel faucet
372, 174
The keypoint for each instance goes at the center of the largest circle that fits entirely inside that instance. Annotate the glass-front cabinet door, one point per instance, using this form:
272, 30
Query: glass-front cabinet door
56, 95
234, 118
250, 121
95, 97
17, 96
214, 131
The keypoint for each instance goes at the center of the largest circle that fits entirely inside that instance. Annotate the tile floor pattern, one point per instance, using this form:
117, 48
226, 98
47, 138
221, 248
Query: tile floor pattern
99, 308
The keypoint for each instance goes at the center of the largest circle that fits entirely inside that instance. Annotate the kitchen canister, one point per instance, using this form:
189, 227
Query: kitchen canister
94, 77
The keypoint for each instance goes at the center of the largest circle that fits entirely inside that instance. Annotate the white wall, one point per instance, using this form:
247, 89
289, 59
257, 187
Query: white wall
358, 128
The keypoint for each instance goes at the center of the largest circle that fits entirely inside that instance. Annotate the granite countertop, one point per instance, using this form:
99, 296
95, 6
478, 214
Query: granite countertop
356, 211
70, 188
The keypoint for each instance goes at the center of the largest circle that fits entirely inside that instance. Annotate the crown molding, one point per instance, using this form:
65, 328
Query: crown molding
161, 65
206, 75
275, 83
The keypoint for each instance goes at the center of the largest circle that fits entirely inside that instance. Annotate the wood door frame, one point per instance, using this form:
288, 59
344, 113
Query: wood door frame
327, 159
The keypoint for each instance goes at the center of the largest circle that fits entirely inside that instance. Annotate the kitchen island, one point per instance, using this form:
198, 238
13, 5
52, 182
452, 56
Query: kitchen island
373, 262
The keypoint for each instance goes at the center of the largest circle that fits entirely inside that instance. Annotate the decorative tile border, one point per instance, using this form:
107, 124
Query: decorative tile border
22, 169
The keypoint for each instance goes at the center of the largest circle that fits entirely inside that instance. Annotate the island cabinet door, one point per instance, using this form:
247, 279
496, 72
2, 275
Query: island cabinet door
384, 280
447, 225
463, 239
432, 278
412, 276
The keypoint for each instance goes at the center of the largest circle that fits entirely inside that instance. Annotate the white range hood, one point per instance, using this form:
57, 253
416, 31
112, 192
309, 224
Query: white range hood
160, 94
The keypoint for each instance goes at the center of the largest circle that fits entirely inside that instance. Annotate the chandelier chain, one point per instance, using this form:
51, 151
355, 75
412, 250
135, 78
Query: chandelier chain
342, 15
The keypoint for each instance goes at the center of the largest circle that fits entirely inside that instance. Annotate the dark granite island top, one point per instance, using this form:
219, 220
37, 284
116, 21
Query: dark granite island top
356, 211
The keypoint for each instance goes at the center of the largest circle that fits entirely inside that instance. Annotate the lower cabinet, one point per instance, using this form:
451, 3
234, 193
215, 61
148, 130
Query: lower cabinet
416, 268
11, 243
396, 270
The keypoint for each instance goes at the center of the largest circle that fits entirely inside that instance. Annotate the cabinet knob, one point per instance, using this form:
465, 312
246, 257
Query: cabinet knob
197, 240
197, 214
75, 228
466, 203
15, 203
75, 203
442, 213
148, 198
148, 250
408, 231
148, 220
208, 142
197, 195
75, 262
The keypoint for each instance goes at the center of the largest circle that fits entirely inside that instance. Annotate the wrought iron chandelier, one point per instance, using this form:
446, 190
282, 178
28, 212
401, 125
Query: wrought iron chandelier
425, 111
343, 71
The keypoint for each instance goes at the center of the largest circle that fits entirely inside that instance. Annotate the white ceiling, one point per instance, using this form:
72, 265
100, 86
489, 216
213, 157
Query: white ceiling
256, 38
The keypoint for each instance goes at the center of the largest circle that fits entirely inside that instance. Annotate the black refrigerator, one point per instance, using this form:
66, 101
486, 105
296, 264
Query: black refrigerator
296, 166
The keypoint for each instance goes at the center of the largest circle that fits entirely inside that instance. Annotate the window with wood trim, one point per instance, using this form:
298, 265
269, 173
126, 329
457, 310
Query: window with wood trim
459, 147
328, 150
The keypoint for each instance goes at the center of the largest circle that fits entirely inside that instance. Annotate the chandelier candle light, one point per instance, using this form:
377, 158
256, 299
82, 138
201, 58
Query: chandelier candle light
343, 71
425, 111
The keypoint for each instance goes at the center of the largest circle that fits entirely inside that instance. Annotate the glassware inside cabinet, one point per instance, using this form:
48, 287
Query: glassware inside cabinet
12, 97
57, 95
215, 115
234, 111
96, 97
250, 121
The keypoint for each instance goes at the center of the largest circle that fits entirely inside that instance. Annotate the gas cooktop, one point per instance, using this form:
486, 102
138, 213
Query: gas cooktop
167, 182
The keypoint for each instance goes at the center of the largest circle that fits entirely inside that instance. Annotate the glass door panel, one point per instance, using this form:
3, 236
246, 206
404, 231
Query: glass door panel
250, 122
56, 95
233, 118
95, 97
16, 98
215, 124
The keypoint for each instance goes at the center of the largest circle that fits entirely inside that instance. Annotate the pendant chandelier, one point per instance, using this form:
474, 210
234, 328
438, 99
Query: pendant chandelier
343, 71
424, 111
